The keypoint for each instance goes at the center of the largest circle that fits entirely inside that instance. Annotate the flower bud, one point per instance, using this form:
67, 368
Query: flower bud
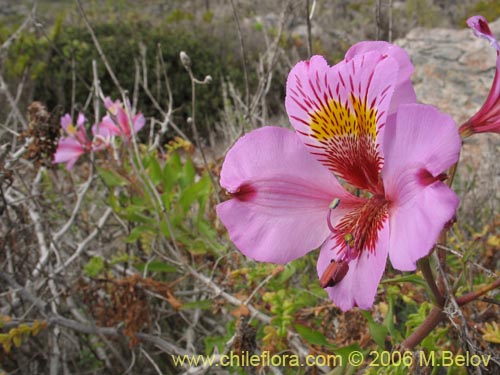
186, 61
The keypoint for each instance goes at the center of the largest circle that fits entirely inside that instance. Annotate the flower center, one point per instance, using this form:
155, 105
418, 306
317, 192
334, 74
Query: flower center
358, 230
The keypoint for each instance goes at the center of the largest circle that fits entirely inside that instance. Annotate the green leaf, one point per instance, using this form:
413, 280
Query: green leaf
154, 171
193, 192
389, 319
136, 233
203, 304
111, 178
188, 174
171, 172
377, 331
135, 213
94, 267
164, 228
157, 266
344, 352
312, 336
115, 203
288, 272
413, 278
196, 247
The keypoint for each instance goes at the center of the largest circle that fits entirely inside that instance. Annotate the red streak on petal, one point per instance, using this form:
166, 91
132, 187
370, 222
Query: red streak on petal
244, 193
358, 230
426, 178
484, 28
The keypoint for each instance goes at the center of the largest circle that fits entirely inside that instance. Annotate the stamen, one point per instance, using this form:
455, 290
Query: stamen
335, 203
334, 273
358, 230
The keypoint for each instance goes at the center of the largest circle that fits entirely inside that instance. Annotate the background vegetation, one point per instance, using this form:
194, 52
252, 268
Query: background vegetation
118, 264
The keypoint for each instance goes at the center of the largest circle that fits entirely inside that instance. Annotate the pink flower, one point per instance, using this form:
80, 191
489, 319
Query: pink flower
487, 119
75, 144
117, 123
286, 200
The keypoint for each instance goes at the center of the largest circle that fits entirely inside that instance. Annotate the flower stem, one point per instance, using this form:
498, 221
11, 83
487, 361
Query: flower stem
433, 319
466, 298
425, 267
437, 315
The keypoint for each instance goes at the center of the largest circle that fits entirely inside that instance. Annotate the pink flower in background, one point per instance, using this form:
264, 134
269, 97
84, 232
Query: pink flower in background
75, 144
117, 122
352, 119
487, 119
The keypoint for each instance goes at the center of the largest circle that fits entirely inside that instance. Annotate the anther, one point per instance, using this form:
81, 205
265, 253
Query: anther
334, 273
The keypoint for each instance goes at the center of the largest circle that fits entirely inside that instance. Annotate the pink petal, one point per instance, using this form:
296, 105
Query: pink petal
420, 143
68, 151
342, 134
281, 196
106, 128
70, 163
110, 105
416, 225
487, 119
139, 122
481, 29
80, 120
122, 118
404, 92
66, 121
359, 286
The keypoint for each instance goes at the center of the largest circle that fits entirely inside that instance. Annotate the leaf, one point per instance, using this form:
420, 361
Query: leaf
196, 247
241, 310
494, 241
288, 271
193, 192
37, 327
171, 172
312, 336
154, 171
173, 300
491, 333
136, 233
111, 178
203, 304
4, 337
414, 278
136, 213
389, 319
94, 267
377, 331
188, 174
157, 266
16, 337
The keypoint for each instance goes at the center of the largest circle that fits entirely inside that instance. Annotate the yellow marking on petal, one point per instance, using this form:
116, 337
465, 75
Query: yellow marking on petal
71, 129
336, 120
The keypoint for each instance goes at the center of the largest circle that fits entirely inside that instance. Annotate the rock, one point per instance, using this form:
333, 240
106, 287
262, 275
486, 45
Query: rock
454, 71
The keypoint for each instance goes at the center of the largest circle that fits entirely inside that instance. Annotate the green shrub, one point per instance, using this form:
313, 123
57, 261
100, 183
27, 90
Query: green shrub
49, 61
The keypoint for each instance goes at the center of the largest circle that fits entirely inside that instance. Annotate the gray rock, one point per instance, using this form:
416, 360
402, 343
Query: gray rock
454, 71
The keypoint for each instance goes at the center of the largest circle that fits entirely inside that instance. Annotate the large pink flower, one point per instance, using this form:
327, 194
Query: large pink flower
287, 202
487, 119
117, 122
